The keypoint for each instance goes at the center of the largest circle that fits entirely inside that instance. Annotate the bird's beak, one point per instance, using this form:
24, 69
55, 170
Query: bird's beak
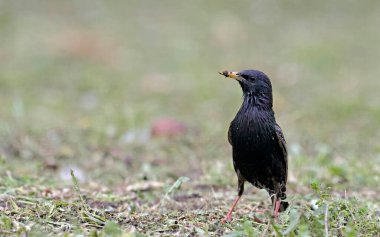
233, 75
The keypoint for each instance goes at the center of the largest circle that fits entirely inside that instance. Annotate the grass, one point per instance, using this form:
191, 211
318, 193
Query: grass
82, 84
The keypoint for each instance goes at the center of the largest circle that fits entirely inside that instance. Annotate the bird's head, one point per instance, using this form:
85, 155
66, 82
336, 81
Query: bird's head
254, 84
251, 81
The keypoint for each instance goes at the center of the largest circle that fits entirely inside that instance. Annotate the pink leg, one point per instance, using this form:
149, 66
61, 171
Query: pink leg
276, 208
228, 217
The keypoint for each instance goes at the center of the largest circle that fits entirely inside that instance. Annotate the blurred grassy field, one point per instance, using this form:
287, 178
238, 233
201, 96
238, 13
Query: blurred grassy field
81, 83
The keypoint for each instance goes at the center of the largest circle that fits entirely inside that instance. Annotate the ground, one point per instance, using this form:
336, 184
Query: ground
88, 89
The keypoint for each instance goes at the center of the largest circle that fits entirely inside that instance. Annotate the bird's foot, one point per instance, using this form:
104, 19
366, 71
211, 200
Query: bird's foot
226, 219
260, 210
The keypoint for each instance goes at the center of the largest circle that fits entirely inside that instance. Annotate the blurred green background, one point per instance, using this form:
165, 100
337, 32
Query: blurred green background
81, 82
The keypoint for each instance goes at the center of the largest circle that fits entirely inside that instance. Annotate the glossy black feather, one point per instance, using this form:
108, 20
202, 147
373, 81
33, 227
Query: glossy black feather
258, 144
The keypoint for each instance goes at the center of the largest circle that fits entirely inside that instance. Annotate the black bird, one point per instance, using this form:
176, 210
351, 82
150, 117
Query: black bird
258, 144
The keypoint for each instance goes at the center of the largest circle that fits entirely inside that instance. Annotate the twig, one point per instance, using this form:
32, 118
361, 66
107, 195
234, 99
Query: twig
87, 214
326, 220
348, 208
264, 233
275, 228
258, 220
77, 190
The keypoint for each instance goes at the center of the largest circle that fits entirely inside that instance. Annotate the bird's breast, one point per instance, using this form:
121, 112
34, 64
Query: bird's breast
252, 130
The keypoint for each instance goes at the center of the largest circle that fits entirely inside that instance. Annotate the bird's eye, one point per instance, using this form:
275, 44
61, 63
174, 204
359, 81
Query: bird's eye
244, 76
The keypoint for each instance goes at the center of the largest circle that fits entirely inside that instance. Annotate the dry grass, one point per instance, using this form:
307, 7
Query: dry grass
82, 84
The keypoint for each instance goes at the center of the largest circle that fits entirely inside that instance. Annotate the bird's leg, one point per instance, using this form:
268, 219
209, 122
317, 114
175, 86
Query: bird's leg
277, 205
276, 202
228, 217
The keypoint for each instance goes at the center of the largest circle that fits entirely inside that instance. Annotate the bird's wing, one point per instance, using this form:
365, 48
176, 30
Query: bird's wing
282, 144
229, 136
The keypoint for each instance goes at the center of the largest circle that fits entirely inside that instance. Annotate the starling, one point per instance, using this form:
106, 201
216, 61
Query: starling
258, 144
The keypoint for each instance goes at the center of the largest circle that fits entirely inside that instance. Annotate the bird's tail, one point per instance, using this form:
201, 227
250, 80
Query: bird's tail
283, 206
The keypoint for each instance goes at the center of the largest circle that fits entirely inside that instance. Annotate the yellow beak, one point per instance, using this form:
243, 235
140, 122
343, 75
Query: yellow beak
233, 75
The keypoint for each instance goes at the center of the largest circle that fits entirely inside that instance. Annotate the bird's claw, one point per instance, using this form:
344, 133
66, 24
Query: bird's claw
226, 219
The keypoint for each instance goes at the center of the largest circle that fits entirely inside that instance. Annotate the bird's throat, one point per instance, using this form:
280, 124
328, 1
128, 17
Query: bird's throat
250, 99
261, 102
